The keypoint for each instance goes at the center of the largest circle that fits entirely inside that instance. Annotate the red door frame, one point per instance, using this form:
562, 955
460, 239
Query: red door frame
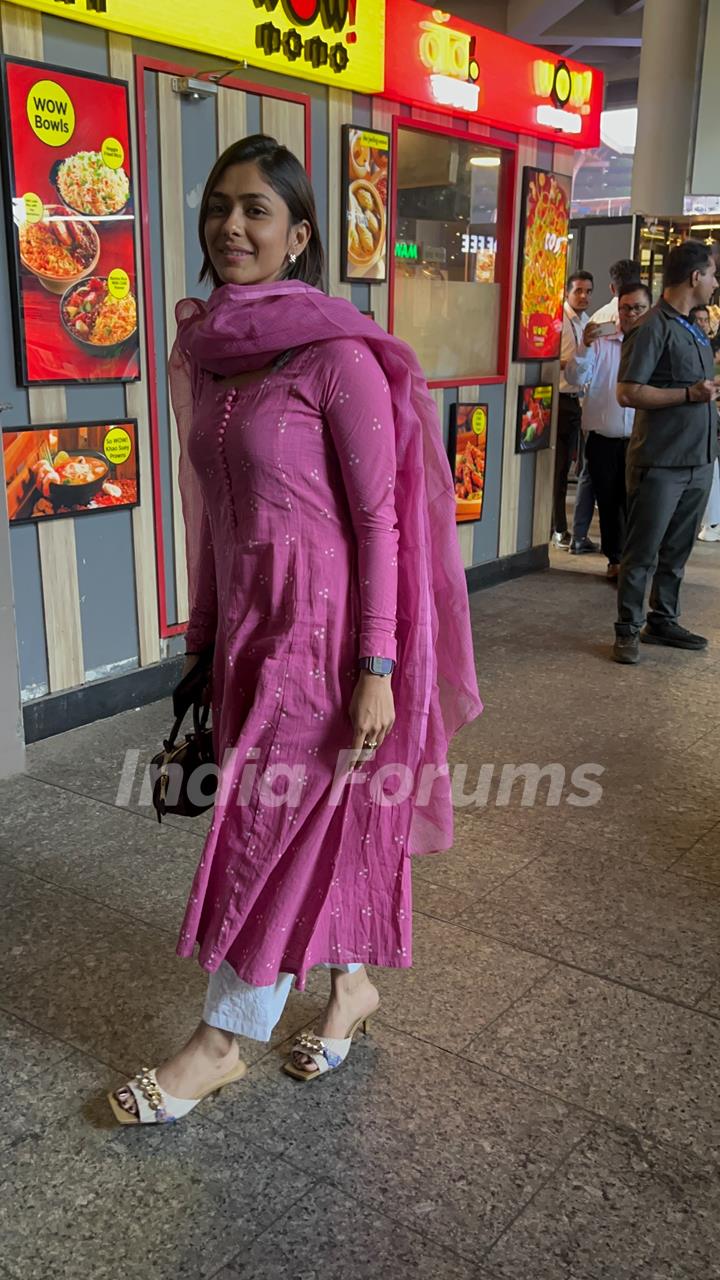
142, 65
506, 244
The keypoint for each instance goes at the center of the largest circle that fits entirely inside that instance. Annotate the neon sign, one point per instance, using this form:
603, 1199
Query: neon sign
448, 56
446, 64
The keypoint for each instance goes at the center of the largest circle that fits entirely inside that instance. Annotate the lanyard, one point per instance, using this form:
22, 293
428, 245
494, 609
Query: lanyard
697, 334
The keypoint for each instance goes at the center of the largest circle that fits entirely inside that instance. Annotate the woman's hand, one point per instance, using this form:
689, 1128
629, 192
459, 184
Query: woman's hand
372, 712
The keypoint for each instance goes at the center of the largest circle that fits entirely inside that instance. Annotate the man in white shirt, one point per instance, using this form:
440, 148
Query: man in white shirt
608, 426
625, 271
577, 296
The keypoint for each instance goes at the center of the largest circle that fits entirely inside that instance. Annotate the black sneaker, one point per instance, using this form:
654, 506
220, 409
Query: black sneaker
626, 649
672, 634
582, 546
562, 539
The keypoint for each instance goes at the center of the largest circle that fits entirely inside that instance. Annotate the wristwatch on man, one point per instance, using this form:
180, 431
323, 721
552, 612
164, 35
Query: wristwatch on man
377, 666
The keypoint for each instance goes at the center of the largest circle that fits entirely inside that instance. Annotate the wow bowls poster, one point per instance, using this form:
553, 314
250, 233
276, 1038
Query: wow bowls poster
71, 225
365, 178
69, 469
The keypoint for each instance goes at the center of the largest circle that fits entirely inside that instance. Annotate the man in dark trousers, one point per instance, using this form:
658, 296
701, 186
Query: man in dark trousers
666, 375
577, 296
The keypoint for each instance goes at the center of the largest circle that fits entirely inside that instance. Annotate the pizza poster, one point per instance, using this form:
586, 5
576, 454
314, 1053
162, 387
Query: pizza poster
71, 225
543, 264
69, 469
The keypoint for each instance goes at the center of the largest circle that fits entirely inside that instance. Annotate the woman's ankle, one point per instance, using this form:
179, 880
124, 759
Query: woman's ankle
214, 1041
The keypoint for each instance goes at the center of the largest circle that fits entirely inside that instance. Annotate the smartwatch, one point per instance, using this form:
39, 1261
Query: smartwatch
377, 666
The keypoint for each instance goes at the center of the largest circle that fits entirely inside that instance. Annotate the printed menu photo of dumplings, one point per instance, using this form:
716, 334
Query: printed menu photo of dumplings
366, 173
69, 179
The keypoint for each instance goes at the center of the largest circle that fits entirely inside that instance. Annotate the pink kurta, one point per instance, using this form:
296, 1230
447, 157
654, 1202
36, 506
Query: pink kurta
297, 575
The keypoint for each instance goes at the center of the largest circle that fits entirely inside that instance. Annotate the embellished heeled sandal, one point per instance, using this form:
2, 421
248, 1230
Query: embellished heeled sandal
327, 1054
155, 1106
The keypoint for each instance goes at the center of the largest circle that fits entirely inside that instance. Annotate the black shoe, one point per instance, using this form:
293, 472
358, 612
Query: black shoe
672, 634
626, 649
562, 539
582, 547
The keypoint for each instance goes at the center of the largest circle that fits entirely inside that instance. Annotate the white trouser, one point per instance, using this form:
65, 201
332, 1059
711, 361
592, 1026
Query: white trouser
233, 1005
712, 511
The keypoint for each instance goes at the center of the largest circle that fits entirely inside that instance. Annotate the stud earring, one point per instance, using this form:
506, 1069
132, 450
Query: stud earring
293, 258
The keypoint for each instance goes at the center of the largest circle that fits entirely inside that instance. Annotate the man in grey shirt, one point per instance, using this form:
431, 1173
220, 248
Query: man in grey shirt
666, 375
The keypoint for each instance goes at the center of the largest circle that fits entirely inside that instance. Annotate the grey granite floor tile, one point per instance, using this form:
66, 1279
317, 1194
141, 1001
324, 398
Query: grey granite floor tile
702, 862
328, 1233
627, 1056
617, 1208
172, 1203
455, 1150
31, 1103
487, 850
25, 1052
128, 1001
106, 853
457, 984
613, 917
36, 933
16, 886
710, 1000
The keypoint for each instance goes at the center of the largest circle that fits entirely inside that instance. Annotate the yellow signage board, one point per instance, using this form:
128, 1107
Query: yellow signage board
335, 42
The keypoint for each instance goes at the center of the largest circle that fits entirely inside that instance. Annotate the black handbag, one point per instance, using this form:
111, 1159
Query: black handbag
184, 775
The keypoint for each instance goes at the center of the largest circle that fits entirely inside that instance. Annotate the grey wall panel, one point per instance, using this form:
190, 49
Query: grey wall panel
199, 148
103, 402
158, 320
252, 107
72, 44
362, 111
451, 396
526, 501
29, 617
487, 530
107, 591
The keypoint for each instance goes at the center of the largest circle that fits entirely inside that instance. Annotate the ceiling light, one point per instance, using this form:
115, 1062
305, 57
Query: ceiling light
485, 162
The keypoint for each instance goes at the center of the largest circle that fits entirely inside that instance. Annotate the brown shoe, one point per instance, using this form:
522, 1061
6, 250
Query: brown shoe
626, 649
612, 572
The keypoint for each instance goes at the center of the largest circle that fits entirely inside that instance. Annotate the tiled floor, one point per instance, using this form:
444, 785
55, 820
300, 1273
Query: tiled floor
539, 1098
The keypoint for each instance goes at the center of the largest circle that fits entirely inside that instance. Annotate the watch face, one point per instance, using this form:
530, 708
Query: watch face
381, 666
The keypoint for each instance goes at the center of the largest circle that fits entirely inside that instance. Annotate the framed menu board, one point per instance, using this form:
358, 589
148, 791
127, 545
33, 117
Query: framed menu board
365, 216
543, 264
467, 449
71, 225
534, 415
69, 469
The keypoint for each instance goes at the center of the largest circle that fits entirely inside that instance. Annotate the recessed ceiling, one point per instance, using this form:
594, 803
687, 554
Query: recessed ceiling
604, 33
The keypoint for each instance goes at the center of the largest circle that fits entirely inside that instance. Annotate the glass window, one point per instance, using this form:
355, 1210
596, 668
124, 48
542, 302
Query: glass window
448, 274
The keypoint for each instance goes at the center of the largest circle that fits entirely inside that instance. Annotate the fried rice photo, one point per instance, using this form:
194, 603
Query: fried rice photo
87, 184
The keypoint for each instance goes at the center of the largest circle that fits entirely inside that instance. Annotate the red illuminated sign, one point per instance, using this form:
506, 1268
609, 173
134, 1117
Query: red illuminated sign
440, 62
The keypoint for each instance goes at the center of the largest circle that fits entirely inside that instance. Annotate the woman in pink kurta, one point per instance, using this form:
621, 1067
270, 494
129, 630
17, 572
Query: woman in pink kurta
321, 542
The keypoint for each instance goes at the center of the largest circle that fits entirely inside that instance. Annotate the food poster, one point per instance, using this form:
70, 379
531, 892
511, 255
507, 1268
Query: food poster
543, 265
534, 415
467, 447
366, 173
71, 225
67, 470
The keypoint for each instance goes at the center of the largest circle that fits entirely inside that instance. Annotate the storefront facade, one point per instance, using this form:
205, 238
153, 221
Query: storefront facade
100, 599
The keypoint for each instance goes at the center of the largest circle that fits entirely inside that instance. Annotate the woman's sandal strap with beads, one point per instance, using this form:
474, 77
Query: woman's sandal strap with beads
325, 1053
155, 1106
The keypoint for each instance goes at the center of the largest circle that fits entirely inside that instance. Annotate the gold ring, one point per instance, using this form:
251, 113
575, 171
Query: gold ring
371, 745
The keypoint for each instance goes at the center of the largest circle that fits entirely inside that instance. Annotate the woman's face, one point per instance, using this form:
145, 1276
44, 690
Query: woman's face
247, 228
